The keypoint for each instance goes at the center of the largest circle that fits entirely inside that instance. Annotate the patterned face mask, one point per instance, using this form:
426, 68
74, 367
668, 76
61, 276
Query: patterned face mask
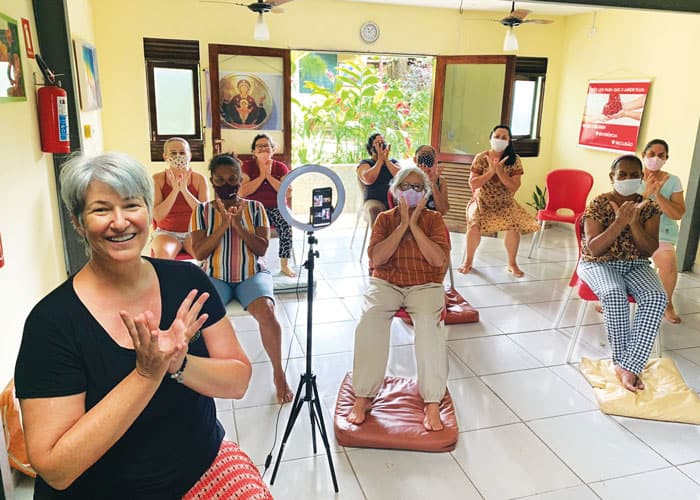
179, 161
426, 159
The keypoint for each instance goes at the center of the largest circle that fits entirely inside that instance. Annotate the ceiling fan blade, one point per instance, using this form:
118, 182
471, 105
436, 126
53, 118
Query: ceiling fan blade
520, 13
277, 3
539, 21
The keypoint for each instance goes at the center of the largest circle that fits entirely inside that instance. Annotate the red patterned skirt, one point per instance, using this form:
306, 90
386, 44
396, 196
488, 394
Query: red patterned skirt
231, 475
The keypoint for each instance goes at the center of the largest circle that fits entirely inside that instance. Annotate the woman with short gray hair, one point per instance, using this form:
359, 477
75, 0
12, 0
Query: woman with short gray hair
119, 365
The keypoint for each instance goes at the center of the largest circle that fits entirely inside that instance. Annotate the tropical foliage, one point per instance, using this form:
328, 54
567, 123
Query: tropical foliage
333, 123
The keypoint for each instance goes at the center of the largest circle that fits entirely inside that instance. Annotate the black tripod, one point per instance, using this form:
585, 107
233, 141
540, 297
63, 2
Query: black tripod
307, 384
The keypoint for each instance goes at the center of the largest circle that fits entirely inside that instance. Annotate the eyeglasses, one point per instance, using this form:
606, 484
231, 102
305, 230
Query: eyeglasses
262, 147
405, 186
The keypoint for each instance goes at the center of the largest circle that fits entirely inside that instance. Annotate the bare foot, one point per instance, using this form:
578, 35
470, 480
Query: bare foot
465, 268
359, 410
671, 315
516, 271
432, 420
286, 270
284, 393
629, 380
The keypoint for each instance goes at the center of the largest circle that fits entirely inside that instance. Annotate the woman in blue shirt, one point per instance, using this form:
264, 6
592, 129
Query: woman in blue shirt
667, 191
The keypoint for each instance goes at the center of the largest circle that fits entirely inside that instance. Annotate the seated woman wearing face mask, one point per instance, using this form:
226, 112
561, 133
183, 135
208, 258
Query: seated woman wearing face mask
620, 233
408, 254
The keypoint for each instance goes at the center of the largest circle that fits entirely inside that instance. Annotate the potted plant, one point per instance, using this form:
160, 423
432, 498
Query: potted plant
539, 198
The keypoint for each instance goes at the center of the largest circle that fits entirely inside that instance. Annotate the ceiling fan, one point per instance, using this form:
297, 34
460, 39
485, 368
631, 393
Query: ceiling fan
516, 18
260, 7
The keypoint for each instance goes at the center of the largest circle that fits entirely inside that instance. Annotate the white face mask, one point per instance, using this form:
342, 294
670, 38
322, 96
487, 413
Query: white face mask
498, 145
628, 186
654, 163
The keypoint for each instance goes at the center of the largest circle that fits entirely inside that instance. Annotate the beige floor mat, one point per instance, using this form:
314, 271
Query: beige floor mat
666, 396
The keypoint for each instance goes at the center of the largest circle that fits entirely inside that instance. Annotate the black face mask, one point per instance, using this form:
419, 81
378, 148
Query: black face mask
382, 145
227, 191
426, 159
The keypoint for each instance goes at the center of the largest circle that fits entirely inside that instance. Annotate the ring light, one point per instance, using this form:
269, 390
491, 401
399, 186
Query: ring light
307, 169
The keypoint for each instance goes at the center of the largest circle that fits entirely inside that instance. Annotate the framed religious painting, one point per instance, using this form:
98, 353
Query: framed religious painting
250, 94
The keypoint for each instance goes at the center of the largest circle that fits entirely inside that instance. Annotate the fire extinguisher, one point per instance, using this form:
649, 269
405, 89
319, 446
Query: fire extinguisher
53, 113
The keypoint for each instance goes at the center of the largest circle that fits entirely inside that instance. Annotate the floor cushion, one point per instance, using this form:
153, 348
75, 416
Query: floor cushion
395, 420
665, 397
457, 310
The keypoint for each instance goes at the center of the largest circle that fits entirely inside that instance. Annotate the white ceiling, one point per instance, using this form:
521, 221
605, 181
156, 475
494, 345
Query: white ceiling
491, 5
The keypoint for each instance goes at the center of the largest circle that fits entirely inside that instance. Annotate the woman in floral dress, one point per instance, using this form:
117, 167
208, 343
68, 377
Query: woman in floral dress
494, 180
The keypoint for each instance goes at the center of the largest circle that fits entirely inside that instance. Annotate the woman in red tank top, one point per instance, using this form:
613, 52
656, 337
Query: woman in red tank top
177, 191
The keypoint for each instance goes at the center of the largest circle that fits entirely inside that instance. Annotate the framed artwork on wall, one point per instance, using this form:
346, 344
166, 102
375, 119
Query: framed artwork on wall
88, 75
11, 75
249, 95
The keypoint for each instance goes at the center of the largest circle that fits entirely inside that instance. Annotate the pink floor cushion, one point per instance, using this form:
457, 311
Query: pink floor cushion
395, 420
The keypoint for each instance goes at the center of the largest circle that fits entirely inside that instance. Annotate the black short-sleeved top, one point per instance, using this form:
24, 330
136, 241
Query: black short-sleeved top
65, 351
380, 187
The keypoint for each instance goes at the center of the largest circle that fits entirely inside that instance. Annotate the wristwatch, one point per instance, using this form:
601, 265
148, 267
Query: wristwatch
177, 376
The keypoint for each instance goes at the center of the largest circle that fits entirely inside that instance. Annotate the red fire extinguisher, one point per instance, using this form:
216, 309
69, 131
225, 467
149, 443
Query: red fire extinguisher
53, 113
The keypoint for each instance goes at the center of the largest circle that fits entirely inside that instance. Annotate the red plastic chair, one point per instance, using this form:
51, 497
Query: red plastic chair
567, 188
586, 295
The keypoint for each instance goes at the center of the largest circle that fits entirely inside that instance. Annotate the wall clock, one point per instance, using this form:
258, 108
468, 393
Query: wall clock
369, 32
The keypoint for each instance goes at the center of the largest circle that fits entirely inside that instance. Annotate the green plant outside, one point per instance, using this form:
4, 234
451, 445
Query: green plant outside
335, 125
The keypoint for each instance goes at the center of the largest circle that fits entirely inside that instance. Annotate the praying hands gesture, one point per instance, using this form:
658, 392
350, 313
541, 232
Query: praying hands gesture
160, 351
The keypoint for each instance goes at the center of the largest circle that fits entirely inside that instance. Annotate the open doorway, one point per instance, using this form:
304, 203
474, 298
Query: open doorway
339, 99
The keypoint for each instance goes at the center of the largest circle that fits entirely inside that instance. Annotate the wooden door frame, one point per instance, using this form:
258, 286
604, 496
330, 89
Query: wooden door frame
439, 96
218, 49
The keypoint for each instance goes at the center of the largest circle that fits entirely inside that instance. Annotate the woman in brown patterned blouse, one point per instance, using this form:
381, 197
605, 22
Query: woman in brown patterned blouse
494, 180
621, 232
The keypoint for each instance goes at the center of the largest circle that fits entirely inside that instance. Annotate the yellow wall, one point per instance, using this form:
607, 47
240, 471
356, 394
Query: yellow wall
305, 24
627, 45
29, 220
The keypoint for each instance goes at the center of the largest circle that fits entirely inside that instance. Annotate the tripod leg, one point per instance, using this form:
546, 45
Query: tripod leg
322, 431
313, 425
293, 414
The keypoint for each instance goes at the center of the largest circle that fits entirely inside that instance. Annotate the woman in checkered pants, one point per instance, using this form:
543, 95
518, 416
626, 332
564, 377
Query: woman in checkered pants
621, 232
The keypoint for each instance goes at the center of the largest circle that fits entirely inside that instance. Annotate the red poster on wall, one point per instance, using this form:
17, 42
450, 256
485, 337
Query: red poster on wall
613, 114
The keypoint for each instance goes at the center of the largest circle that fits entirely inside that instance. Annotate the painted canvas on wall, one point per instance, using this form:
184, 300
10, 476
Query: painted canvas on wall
11, 75
247, 101
88, 75
613, 114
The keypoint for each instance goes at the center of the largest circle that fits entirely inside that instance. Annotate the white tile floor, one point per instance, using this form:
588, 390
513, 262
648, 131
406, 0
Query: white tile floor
529, 424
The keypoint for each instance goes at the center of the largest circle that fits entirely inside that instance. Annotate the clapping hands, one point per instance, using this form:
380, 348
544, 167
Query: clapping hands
629, 212
233, 216
161, 351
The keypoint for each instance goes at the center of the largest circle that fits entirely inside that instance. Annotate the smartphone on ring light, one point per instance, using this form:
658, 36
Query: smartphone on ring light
321, 206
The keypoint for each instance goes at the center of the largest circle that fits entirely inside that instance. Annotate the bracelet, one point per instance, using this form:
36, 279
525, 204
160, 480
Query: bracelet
177, 376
